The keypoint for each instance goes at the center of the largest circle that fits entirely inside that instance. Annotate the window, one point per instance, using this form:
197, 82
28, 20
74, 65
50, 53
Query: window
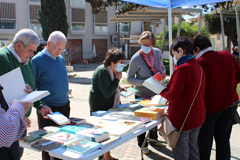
78, 19
124, 27
7, 15
101, 22
79, 3
34, 23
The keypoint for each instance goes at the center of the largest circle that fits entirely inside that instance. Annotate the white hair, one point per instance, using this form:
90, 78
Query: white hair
26, 37
235, 48
57, 36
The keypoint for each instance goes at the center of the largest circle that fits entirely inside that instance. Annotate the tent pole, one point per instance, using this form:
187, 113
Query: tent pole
129, 33
170, 34
222, 28
237, 22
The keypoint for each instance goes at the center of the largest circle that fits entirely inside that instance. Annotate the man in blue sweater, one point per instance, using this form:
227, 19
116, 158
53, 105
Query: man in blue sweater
50, 74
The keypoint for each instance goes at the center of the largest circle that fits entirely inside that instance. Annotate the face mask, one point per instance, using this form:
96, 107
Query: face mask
146, 50
119, 67
175, 60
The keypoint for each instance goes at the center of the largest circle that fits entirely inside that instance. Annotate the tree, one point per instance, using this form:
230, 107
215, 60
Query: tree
214, 23
185, 30
52, 16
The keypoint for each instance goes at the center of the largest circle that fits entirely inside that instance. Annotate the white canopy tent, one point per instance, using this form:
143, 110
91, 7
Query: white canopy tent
172, 4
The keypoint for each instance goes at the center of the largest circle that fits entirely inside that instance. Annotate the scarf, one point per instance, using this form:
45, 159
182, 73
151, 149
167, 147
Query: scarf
117, 94
184, 59
152, 59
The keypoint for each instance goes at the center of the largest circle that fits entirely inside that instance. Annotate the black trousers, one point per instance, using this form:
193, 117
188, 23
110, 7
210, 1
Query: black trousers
141, 137
42, 122
219, 126
11, 153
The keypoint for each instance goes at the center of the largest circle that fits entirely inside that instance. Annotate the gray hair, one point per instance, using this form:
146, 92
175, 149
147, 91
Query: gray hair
57, 36
26, 37
235, 48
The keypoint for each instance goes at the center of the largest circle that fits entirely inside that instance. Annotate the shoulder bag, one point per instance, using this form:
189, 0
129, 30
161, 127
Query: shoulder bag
168, 131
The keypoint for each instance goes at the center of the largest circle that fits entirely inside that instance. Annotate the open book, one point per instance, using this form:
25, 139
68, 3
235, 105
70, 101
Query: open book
157, 100
14, 86
128, 92
154, 83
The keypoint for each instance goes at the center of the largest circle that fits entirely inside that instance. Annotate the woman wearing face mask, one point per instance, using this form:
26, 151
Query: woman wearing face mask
144, 64
186, 84
105, 91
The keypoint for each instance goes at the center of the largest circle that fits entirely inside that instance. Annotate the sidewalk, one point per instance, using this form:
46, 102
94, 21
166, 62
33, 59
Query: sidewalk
80, 86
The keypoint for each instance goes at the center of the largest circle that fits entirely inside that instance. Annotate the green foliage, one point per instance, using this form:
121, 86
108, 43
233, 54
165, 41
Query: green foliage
185, 30
52, 16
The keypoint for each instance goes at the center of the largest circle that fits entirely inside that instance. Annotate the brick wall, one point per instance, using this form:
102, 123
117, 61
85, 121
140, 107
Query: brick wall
75, 49
101, 49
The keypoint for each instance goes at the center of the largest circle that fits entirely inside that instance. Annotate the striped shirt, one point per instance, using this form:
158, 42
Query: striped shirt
12, 124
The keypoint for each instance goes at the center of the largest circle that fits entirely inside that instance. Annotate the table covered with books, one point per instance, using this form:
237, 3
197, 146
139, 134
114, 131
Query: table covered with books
89, 138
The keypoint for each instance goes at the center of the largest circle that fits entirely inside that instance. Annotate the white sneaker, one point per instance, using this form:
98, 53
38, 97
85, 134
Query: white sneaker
145, 150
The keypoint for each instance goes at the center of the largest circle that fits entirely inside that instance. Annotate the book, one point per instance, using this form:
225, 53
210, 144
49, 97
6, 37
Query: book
154, 83
151, 112
71, 129
100, 113
31, 138
108, 141
38, 132
136, 118
75, 121
14, 85
53, 129
82, 146
95, 135
128, 92
87, 125
98, 122
157, 100
59, 118
45, 144
122, 128
60, 137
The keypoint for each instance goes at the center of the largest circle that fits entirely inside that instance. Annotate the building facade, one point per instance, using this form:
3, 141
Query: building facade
86, 29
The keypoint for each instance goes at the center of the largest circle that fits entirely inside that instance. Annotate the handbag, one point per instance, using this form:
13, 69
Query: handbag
168, 131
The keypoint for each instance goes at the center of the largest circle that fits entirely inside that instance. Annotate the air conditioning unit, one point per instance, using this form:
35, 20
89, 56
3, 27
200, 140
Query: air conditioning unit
115, 39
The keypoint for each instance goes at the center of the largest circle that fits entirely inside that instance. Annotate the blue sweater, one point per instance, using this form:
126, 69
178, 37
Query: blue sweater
51, 75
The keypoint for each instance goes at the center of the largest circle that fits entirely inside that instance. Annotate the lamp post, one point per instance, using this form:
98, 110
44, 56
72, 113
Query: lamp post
118, 26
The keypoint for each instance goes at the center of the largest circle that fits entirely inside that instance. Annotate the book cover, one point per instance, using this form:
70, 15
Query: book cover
9, 83
136, 118
71, 129
122, 127
60, 137
53, 129
38, 132
100, 113
95, 135
75, 121
45, 144
59, 118
157, 100
87, 125
128, 92
151, 112
154, 84
30, 139
98, 122
82, 146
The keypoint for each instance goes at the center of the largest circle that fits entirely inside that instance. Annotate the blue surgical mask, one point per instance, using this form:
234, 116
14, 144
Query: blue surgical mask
119, 67
145, 49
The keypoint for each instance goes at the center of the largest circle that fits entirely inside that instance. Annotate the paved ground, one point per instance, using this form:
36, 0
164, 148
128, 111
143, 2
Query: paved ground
80, 86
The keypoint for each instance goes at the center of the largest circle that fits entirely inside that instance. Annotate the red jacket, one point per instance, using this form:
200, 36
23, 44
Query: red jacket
180, 92
222, 76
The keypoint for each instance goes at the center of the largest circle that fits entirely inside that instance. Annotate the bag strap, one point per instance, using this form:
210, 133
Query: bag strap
192, 101
141, 54
3, 102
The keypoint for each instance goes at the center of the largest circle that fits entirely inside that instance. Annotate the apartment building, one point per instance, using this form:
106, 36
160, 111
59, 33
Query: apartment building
86, 30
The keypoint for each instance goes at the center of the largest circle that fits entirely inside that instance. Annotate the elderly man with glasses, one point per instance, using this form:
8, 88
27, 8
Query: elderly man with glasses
50, 74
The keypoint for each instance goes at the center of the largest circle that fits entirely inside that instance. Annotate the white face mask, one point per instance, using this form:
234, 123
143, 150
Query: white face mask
175, 60
146, 50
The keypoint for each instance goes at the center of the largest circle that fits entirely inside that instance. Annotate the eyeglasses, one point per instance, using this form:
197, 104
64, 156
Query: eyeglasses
59, 49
